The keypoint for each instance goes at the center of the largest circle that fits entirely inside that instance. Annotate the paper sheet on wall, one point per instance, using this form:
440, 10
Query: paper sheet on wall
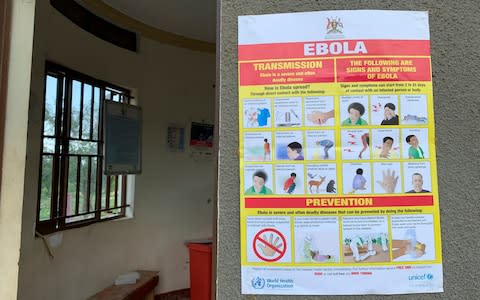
338, 172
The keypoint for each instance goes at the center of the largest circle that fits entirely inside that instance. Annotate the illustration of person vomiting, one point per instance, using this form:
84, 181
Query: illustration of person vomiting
408, 246
294, 151
359, 181
289, 184
417, 183
326, 144
356, 111
389, 115
415, 151
258, 187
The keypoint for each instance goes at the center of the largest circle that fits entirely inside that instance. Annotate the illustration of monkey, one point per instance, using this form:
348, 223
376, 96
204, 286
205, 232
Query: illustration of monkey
331, 187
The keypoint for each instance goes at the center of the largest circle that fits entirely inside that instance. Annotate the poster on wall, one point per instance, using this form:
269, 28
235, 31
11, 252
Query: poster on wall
201, 135
123, 138
338, 173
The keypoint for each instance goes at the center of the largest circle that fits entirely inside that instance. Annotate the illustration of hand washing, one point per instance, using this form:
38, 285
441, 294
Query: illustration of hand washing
312, 254
408, 248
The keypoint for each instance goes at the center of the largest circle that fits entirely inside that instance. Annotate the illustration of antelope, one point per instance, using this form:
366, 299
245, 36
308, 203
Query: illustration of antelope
316, 183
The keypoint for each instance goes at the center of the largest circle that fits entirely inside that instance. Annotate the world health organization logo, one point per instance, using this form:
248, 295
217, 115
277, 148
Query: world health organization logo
258, 283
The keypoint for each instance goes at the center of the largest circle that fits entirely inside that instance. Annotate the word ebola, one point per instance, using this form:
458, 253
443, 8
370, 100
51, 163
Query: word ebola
334, 48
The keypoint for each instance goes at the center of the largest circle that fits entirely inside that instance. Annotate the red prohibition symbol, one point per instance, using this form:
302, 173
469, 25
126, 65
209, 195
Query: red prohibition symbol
277, 249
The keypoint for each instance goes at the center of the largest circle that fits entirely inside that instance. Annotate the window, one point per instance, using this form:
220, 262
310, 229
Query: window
73, 191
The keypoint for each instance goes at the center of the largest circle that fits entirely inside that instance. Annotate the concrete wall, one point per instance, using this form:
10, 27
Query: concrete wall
455, 43
171, 194
13, 169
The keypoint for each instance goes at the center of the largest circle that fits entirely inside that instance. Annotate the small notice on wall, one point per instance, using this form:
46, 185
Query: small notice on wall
176, 138
338, 173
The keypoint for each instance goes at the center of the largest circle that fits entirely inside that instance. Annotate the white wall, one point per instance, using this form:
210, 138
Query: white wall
172, 85
14, 144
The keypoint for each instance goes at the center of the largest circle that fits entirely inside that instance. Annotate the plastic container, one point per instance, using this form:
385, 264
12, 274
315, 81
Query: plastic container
200, 271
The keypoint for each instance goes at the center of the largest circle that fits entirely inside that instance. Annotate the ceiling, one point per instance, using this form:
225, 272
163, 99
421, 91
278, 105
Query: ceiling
190, 18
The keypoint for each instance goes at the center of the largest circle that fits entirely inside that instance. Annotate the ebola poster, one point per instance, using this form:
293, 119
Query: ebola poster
338, 174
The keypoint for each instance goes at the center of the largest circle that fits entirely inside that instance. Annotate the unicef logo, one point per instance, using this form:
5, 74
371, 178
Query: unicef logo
258, 283
423, 276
